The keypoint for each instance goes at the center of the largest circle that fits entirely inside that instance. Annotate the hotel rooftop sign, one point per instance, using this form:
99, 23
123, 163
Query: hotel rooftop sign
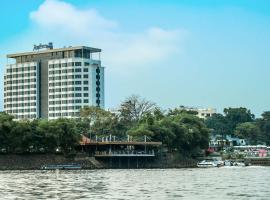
42, 46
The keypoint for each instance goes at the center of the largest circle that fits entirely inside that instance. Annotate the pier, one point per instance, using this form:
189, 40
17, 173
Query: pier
121, 152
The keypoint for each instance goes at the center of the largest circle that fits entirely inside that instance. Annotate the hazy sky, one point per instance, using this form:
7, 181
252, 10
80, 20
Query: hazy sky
201, 53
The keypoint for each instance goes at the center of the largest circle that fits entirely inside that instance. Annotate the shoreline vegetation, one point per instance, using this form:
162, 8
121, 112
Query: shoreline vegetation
181, 132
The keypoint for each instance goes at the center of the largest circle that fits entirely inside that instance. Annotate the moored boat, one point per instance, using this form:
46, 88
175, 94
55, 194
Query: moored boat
67, 167
209, 163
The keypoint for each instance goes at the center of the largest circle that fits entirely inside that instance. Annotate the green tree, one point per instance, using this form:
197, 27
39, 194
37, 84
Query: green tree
6, 126
264, 125
96, 118
236, 116
249, 131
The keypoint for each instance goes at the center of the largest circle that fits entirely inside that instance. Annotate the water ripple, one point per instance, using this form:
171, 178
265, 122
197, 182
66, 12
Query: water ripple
215, 183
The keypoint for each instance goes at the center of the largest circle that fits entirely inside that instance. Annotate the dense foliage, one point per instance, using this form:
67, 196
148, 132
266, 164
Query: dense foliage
178, 129
38, 135
242, 123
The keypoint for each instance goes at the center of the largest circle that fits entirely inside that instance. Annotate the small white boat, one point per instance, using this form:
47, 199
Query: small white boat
235, 163
209, 163
67, 166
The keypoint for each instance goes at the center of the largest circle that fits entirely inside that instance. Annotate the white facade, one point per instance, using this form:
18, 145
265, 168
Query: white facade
206, 112
21, 89
202, 112
73, 84
54, 83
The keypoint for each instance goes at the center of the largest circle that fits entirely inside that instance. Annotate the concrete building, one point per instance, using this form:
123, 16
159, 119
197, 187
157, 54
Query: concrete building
201, 112
53, 83
206, 112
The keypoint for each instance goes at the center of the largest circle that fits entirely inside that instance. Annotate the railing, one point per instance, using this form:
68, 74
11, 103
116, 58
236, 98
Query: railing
112, 138
257, 155
125, 153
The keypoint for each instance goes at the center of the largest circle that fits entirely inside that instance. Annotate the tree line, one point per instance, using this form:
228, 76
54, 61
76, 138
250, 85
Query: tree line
240, 122
178, 129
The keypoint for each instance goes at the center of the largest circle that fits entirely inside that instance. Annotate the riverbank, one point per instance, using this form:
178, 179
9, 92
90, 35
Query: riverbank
35, 161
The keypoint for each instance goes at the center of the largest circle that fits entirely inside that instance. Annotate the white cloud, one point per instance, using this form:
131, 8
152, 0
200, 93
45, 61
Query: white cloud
63, 23
55, 15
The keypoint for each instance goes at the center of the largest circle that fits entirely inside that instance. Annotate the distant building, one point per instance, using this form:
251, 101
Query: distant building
206, 112
202, 112
53, 83
217, 141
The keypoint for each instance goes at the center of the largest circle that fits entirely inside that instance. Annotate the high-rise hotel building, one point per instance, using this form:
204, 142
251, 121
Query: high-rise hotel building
53, 83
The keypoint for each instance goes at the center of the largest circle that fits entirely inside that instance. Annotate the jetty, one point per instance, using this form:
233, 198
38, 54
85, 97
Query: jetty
117, 152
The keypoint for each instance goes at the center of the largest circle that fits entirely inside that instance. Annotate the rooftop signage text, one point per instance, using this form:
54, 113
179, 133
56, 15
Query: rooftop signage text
42, 46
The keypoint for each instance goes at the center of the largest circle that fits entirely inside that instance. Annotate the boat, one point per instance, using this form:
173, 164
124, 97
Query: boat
209, 163
238, 163
67, 167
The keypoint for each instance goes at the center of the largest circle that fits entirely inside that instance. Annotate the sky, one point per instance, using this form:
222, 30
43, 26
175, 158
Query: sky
199, 53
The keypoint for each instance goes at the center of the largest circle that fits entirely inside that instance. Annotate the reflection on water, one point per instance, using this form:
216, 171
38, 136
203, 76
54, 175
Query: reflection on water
214, 183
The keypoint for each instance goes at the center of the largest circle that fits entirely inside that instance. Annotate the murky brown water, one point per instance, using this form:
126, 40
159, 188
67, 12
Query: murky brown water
214, 183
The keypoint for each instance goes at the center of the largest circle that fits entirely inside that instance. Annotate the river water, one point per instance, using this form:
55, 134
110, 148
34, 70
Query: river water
212, 183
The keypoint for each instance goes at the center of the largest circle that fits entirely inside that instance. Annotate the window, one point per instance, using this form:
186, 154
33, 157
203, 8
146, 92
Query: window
70, 76
86, 64
57, 108
78, 63
70, 70
78, 82
85, 94
57, 78
56, 65
85, 88
85, 101
78, 70
71, 64
78, 94
33, 116
78, 76
85, 82
85, 76
64, 114
64, 101
85, 69
78, 88
33, 68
